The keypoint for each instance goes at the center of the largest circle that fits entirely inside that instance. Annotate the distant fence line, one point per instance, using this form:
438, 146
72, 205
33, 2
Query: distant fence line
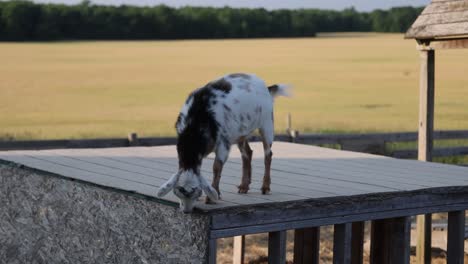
370, 143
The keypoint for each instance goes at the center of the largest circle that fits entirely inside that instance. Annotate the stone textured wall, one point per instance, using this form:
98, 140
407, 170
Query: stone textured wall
48, 219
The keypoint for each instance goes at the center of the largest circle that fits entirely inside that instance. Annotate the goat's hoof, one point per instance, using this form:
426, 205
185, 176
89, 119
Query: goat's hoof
243, 189
266, 190
209, 201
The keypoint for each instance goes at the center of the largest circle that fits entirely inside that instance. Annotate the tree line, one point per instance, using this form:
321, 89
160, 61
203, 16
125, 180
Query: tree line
29, 21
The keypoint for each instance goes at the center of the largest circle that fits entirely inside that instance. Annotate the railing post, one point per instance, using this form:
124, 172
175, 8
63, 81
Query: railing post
390, 241
238, 250
212, 251
348, 243
342, 236
306, 245
357, 243
277, 247
456, 237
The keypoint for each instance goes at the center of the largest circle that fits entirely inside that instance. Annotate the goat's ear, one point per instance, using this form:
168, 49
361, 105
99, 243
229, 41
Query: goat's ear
169, 185
210, 191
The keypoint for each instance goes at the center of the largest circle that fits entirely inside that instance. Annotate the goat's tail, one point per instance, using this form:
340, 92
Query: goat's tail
280, 90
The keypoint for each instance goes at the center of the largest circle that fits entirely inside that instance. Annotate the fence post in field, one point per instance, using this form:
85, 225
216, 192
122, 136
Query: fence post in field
238, 250
425, 144
133, 139
292, 134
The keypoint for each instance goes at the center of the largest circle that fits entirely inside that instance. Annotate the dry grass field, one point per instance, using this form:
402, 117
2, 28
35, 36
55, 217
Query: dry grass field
342, 83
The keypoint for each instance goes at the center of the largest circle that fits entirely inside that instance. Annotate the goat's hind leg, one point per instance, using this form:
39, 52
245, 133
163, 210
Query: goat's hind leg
246, 153
267, 140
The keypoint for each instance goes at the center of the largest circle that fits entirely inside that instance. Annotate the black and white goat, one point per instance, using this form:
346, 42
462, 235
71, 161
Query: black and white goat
223, 112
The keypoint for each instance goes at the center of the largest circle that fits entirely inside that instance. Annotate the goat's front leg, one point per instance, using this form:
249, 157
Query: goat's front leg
222, 153
246, 153
217, 169
267, 140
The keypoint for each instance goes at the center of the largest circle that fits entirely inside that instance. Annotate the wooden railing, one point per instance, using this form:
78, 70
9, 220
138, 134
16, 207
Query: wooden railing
375, 143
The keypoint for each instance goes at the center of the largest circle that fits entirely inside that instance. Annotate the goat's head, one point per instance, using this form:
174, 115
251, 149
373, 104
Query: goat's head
188, 185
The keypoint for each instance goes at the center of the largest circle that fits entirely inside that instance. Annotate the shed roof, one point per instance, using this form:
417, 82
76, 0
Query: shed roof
441, 19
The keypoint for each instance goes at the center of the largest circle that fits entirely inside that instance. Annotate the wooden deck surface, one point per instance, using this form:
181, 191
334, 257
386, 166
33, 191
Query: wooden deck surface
299, 172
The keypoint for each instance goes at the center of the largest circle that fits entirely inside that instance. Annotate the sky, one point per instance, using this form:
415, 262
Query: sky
361, 5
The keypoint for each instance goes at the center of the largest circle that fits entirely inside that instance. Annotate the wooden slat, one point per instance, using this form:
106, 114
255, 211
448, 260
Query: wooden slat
342, 237
441, 18
439, 31
424, 238
390, 241
438, 7
306, 245
456, 237
238, 250
357, 243
277, 247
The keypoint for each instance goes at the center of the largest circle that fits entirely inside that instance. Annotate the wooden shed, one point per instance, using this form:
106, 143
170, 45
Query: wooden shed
443, 24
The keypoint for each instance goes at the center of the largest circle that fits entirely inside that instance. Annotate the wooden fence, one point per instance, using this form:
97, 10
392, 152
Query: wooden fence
375, 143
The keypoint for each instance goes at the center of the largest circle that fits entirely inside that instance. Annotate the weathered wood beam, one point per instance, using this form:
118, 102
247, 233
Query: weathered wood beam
306, 245
277, 247
238, 250
260, 220
426, 105
425, 143
390, 241
456, 237
342, 237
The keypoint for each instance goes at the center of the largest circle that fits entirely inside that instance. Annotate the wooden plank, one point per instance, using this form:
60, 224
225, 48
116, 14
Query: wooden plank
89, 176
357, 243
342, 237
424, 238
277, 247
390, 241
212, 251
456, 237
357, 171
306, 245
317, 180
238, 250
426, 105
